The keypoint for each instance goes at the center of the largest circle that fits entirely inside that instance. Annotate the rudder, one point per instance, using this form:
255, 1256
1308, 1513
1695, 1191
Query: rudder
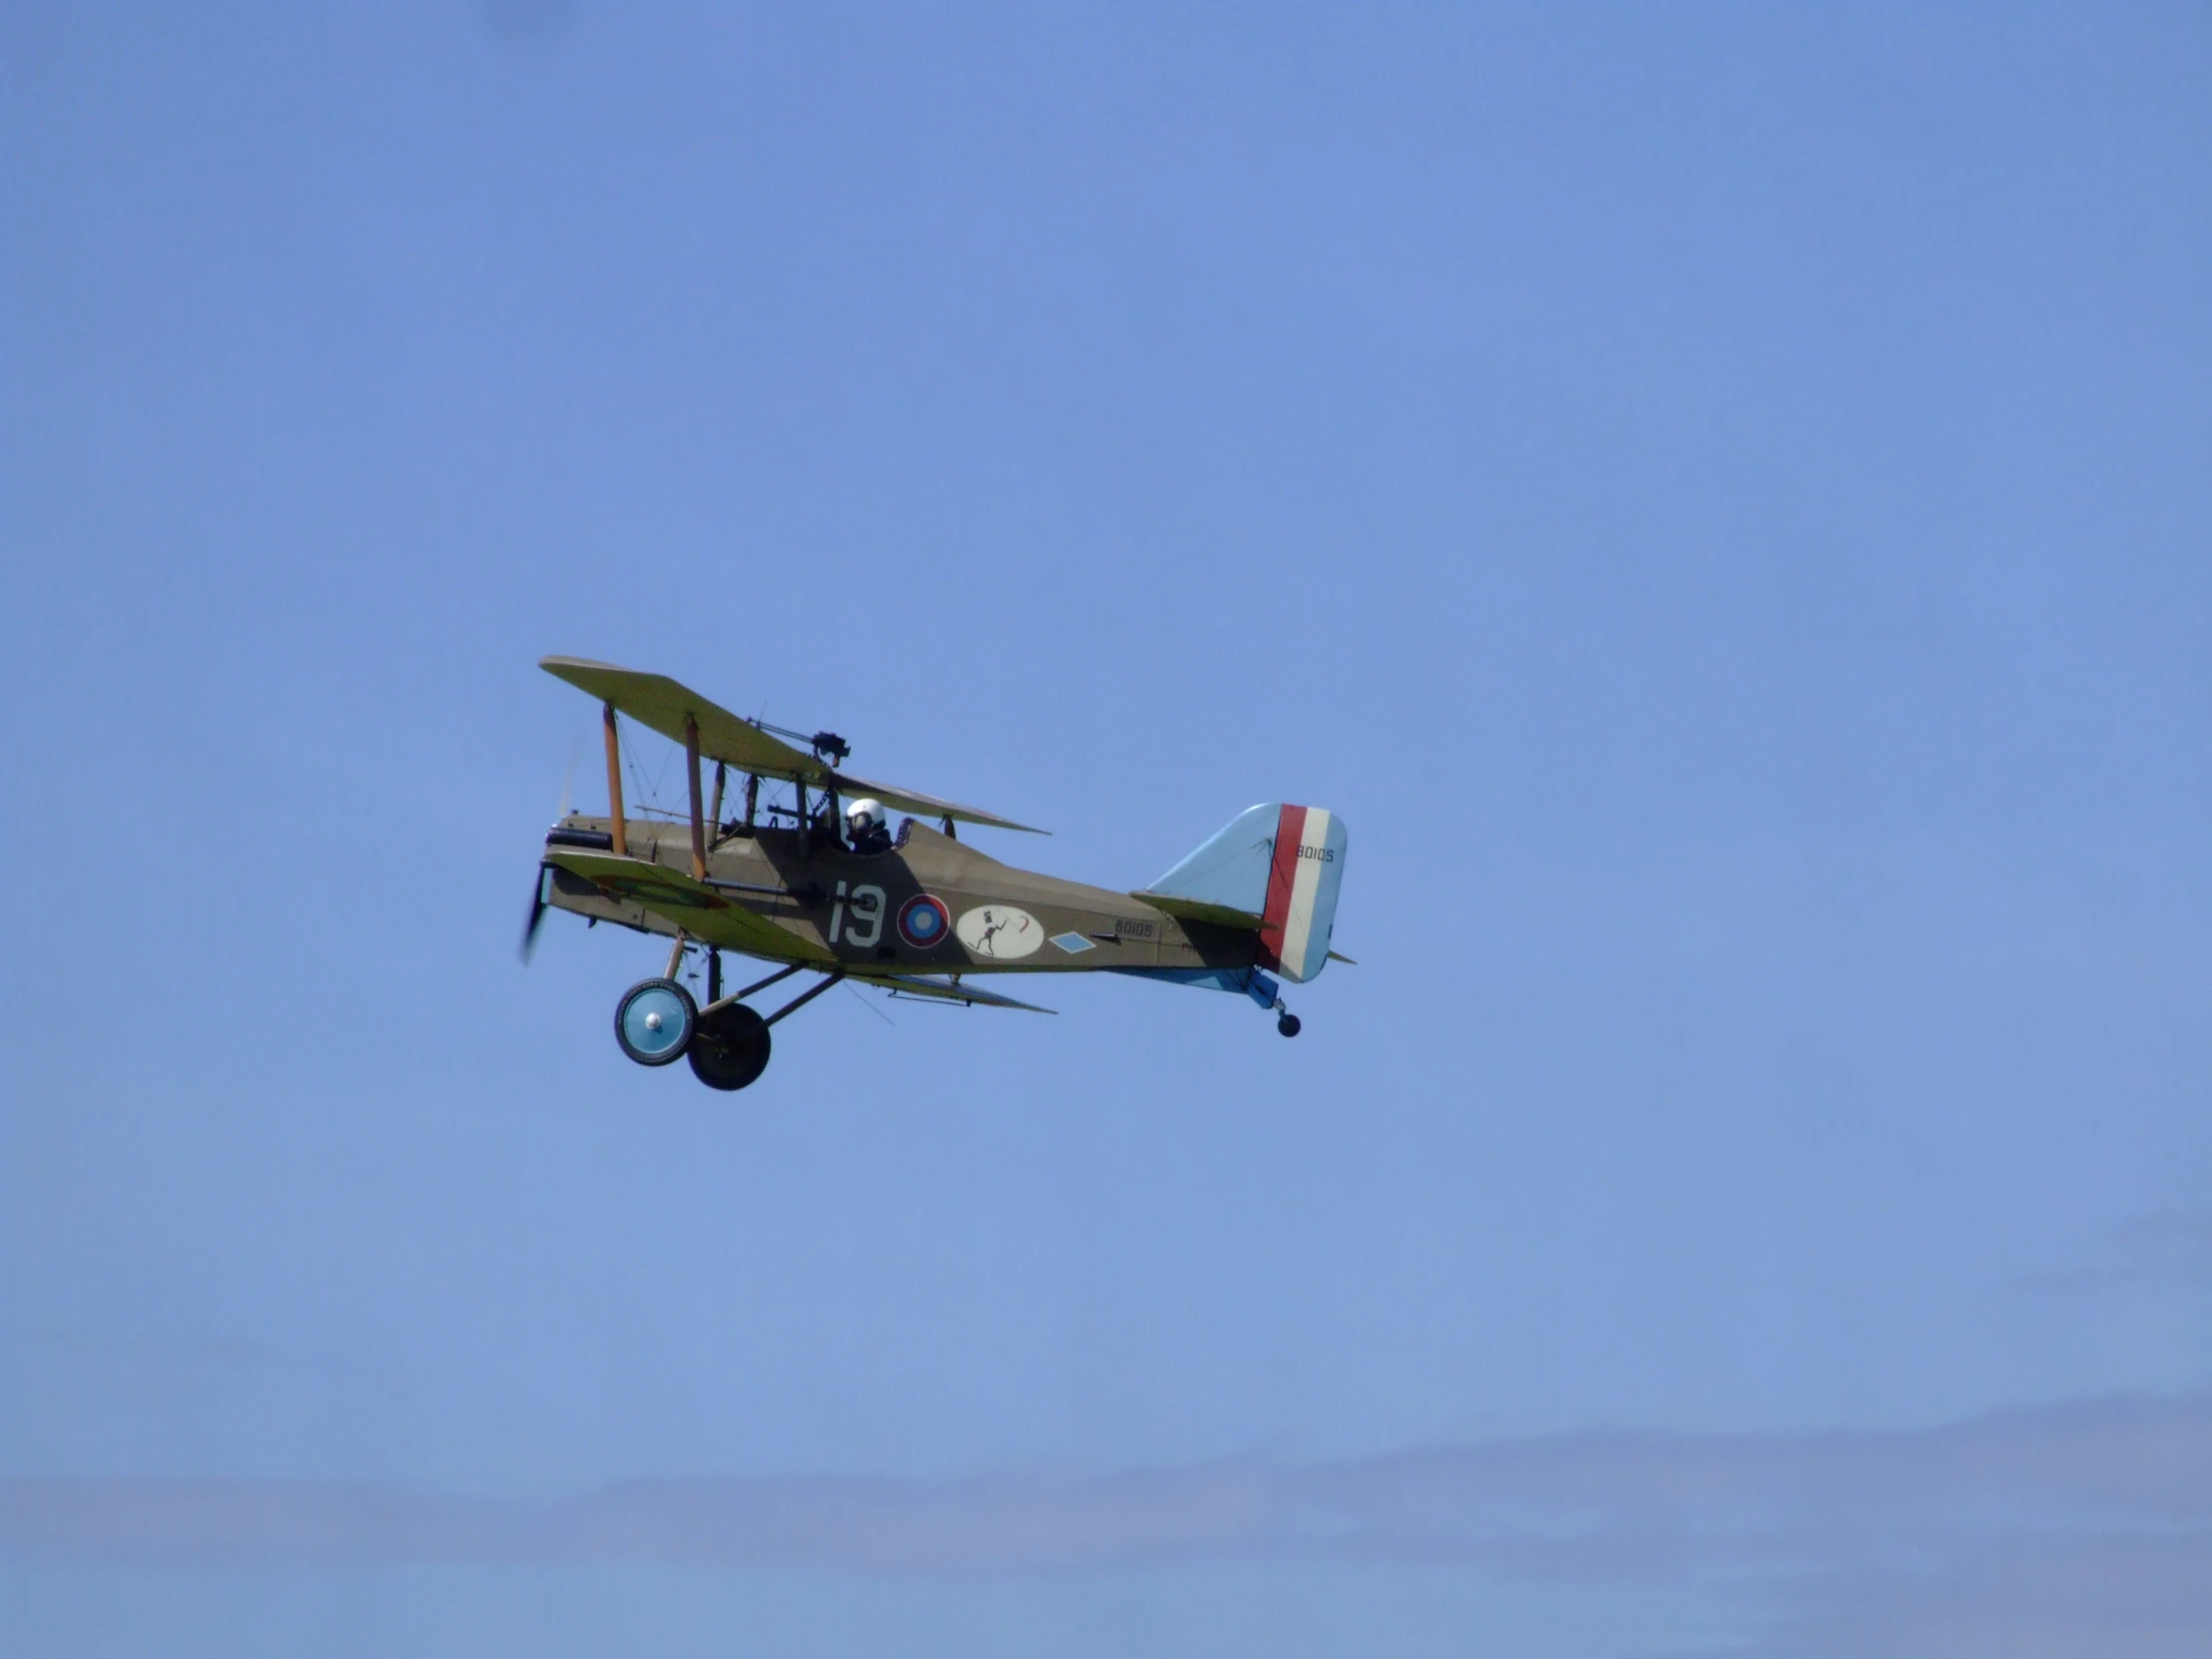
1302, 876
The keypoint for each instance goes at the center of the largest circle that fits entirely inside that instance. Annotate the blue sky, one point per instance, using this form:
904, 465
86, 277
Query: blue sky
1717, 499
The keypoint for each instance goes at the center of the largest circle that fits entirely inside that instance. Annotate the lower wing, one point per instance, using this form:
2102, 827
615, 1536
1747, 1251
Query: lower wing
702, 913
941, 989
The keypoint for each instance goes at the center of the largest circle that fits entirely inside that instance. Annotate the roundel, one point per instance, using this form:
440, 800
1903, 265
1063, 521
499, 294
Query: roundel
924, 921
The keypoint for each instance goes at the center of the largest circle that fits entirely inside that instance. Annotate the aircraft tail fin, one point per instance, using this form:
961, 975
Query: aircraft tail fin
1273, 864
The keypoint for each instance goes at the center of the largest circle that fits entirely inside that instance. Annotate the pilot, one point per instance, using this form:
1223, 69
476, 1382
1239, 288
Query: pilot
868, 827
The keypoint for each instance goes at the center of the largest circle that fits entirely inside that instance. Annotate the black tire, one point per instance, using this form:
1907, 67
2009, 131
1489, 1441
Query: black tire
1287, 1026
730, 1048
665, 1020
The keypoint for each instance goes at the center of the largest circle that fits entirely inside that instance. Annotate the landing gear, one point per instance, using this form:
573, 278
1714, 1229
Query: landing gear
1288, 1025
657, 1022
731, 1046
654, 1020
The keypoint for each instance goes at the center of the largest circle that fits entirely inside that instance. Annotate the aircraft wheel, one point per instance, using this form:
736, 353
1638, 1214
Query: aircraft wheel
730, 1048
1287, 1026
654, 1021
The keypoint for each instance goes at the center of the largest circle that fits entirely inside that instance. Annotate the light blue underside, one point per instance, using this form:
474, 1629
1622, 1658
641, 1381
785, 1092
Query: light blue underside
1240, 981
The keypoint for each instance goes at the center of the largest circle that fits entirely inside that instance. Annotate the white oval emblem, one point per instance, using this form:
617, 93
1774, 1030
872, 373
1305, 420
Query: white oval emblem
1000, 932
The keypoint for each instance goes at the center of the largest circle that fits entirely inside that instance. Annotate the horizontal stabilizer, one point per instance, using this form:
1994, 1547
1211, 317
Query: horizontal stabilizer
694, 906
664, 705
943, 989
1198, 910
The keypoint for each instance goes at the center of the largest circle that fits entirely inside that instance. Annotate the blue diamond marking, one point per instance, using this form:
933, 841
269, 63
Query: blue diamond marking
1072, 943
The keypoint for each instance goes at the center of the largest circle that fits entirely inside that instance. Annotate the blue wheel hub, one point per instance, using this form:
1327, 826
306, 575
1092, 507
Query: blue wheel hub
654, 1021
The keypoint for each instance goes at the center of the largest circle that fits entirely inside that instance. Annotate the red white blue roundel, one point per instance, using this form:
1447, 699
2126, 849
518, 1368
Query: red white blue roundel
924, 921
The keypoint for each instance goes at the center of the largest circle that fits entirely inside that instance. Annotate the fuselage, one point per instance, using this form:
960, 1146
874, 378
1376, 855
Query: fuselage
931, 904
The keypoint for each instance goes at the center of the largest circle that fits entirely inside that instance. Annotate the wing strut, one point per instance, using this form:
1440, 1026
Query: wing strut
698, 819
614, 782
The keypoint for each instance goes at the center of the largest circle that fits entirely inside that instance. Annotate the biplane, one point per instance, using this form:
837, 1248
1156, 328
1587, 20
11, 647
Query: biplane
924, 915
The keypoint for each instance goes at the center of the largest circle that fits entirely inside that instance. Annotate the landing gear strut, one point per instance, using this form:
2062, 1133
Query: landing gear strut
1265, 991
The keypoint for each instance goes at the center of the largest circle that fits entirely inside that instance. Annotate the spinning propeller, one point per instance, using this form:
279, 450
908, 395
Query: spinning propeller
537, 891
537, 914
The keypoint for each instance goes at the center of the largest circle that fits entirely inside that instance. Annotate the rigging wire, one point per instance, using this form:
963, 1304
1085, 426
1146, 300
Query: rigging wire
870, 1006
648, 792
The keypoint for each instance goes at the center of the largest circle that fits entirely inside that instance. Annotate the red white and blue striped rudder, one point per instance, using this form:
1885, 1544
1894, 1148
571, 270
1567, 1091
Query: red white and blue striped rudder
1303, 877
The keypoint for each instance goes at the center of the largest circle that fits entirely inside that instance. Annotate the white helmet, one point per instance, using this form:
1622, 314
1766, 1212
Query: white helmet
865, 815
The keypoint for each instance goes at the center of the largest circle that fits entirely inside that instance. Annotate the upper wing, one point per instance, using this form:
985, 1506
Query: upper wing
656, 700
928, 805
693, 906
948, 990
663, 704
